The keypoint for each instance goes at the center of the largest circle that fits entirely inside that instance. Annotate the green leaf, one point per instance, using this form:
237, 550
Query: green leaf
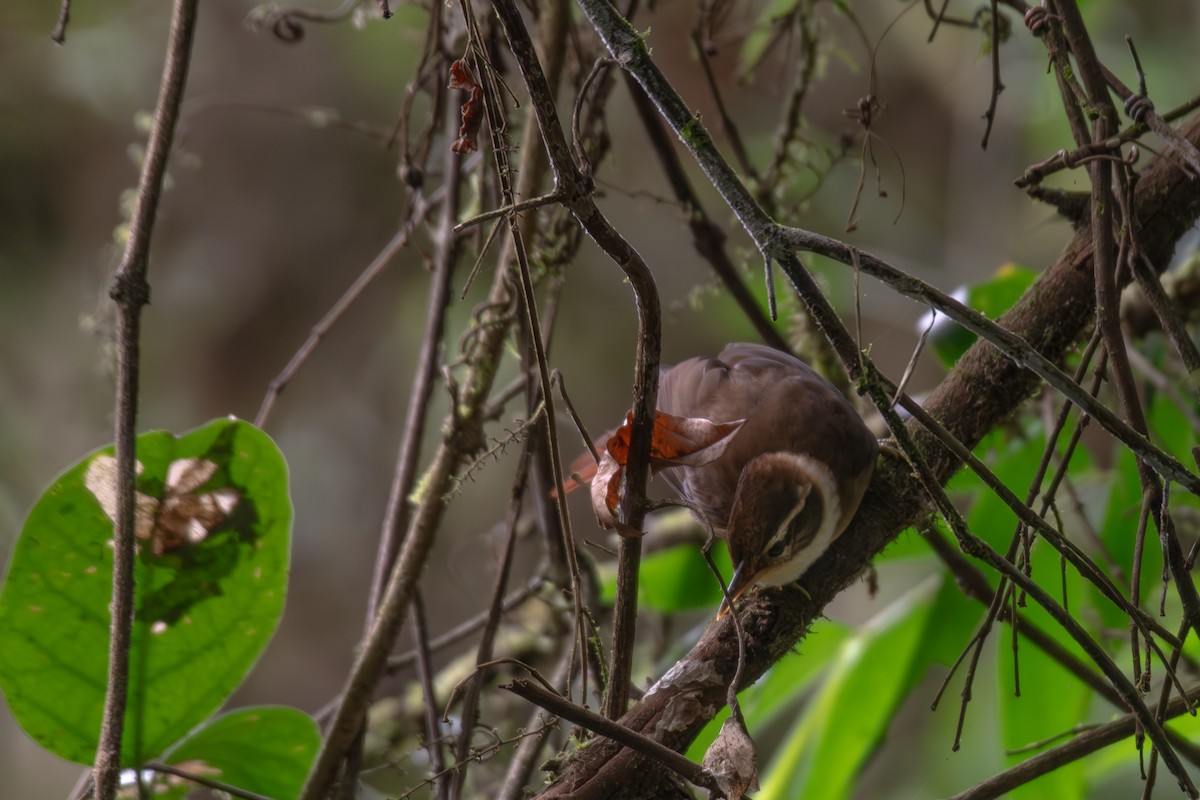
1052, 701
1172, 429
268, 750
908, 545
761, 32
958, 617
204, 609
1013, 460
825, 752
1173, 432
676, 578
992, 298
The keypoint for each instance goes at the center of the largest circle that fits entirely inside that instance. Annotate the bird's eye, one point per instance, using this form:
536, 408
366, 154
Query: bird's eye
776, 549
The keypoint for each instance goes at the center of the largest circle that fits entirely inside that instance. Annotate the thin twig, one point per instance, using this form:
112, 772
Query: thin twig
428, 70
516, 252
442, 640
317, 117
632, 507
789, 120
727, 124
562, 564
560, 706
396, 515
285, 23
425, 677
202, 780
541, 728
707, 237
507, 211
997, 86
130, 291
469, 713
59, 34
526, 758
467, 626
397, 243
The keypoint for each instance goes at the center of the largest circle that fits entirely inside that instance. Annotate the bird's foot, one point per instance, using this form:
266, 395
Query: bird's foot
887, 447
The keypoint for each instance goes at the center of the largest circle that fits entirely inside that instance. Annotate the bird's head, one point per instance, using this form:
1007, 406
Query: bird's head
785, 514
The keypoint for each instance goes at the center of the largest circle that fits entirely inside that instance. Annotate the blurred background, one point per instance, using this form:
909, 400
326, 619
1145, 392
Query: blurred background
269, 217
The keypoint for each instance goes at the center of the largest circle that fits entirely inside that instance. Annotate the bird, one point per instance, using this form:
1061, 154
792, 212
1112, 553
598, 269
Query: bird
790, 480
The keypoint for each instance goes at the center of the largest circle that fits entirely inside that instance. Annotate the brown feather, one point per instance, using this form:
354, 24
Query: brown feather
787, 407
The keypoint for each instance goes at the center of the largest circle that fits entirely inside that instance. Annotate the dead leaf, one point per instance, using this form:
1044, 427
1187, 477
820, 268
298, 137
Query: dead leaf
731, 760
182, 516
472, 109
675, 442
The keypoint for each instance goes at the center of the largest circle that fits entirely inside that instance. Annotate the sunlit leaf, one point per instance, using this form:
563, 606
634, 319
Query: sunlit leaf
268, 750
1052, 701
824, 754
204, 607
991, 297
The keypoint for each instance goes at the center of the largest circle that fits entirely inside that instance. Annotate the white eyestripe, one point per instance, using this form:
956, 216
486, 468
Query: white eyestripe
824, 484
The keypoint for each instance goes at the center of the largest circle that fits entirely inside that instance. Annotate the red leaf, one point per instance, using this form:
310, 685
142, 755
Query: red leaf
580, 473
676, 442
472, 109
460, 76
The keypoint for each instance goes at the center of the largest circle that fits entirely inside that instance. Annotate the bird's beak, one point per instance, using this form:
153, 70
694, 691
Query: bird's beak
743, 578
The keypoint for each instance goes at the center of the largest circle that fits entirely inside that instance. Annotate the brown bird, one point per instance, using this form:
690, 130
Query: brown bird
790, 479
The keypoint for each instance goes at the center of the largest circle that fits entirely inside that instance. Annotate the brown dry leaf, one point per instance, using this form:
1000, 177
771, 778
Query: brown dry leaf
731, 760
676, 442
182, 516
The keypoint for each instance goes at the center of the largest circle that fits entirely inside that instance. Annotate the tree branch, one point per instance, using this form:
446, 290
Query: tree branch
130, 292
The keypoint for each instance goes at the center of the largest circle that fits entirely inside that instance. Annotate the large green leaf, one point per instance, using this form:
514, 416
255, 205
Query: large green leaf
676, 578
268, 750
824, 754
1118, 528
991, 297
1052, 701
204, 610
1013, 461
